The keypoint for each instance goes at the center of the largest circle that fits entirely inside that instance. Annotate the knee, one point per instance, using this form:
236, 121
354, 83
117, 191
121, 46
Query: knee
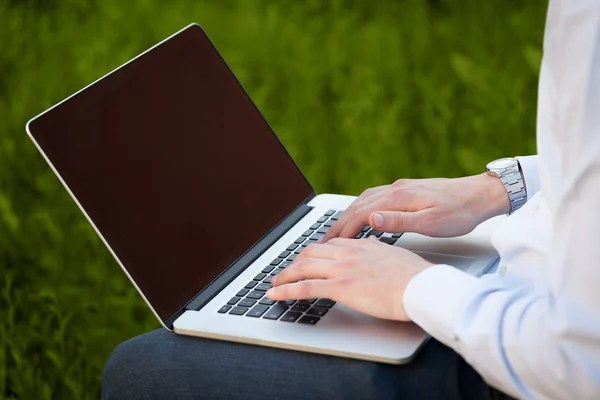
124, 374
116, 370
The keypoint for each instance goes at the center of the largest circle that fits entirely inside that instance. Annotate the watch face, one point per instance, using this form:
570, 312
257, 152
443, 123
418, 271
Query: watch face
502, 163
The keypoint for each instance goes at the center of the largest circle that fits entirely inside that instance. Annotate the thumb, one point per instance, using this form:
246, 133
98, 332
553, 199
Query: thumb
394, 221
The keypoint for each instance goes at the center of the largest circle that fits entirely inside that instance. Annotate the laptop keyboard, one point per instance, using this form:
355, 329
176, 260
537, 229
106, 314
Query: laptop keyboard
251, 300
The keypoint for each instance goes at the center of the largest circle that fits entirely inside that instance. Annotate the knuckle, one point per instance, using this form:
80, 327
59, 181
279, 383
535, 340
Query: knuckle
389, 201
398, 191
398, 220
399, 183
342, 282
299, 268
309, 250
283, 276
350, 252
362, 210
305, 289
353, 262
366, 192
361, 243
336, 241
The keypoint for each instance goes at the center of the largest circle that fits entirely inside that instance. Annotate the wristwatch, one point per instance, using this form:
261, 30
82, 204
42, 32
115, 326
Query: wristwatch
509, 172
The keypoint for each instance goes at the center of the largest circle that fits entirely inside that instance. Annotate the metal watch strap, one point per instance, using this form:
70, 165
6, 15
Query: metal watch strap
515, 186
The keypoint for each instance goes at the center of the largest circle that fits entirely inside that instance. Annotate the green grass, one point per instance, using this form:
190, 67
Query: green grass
361, 93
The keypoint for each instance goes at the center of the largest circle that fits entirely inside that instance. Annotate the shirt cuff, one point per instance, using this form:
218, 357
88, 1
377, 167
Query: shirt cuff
434, 300
529, 167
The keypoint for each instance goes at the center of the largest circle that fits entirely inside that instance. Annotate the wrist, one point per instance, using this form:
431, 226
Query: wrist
490, 197
403, 315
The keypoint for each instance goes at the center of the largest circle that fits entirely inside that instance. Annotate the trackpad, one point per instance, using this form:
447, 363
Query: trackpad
459, 262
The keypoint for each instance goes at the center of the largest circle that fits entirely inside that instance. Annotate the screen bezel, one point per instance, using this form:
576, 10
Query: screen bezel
167, 323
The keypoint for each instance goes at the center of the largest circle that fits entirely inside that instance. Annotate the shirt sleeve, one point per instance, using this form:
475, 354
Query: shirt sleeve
529, 168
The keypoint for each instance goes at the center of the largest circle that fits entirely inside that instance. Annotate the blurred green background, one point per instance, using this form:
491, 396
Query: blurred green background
360, 92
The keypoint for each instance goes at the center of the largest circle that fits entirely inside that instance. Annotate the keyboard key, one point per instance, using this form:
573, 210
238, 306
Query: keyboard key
242, 293
260, 276
300, 307
374, 233
268, 279
322, 219
284, 254
255, 294
257, 311
358, 235
323, 230
299, 250
292, 257
250, 285
276, 272
396, 235
317, 311
224, 309
307, 301
337, 215
238, 311
300, 240
307, 233
233, 300
388, 240
365, 228
309, 320
292, 247
286, 302
329, 213
268, 269
275, 312
291, 316
276, 261
327, 303
263, 287
285, 264
266, 301
246, 303
314, 227
329, 224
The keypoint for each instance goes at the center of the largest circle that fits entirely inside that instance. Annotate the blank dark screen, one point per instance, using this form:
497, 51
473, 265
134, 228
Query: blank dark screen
174, 165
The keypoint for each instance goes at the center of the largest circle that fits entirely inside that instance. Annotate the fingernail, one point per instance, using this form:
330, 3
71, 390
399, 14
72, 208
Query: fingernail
270, 292
378, 220
274, 280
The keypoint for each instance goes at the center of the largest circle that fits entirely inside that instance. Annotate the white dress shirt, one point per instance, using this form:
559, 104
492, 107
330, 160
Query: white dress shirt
533, 328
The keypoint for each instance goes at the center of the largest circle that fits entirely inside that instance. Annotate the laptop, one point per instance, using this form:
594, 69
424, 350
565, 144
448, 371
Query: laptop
201, 205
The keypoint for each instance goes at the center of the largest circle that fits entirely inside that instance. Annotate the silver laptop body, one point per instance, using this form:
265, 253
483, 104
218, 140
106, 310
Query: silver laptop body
200, 204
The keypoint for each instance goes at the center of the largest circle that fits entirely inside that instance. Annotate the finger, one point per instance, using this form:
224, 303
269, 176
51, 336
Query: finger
321, 251
344, 242
351, 216
307, 269
366, 198
397, 221
361, 216
309, 289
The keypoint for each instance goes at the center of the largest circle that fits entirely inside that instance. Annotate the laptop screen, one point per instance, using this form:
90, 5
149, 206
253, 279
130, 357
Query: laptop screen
174, 165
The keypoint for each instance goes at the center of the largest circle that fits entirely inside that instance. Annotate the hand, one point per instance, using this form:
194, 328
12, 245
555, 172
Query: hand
364, 274
433, 207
